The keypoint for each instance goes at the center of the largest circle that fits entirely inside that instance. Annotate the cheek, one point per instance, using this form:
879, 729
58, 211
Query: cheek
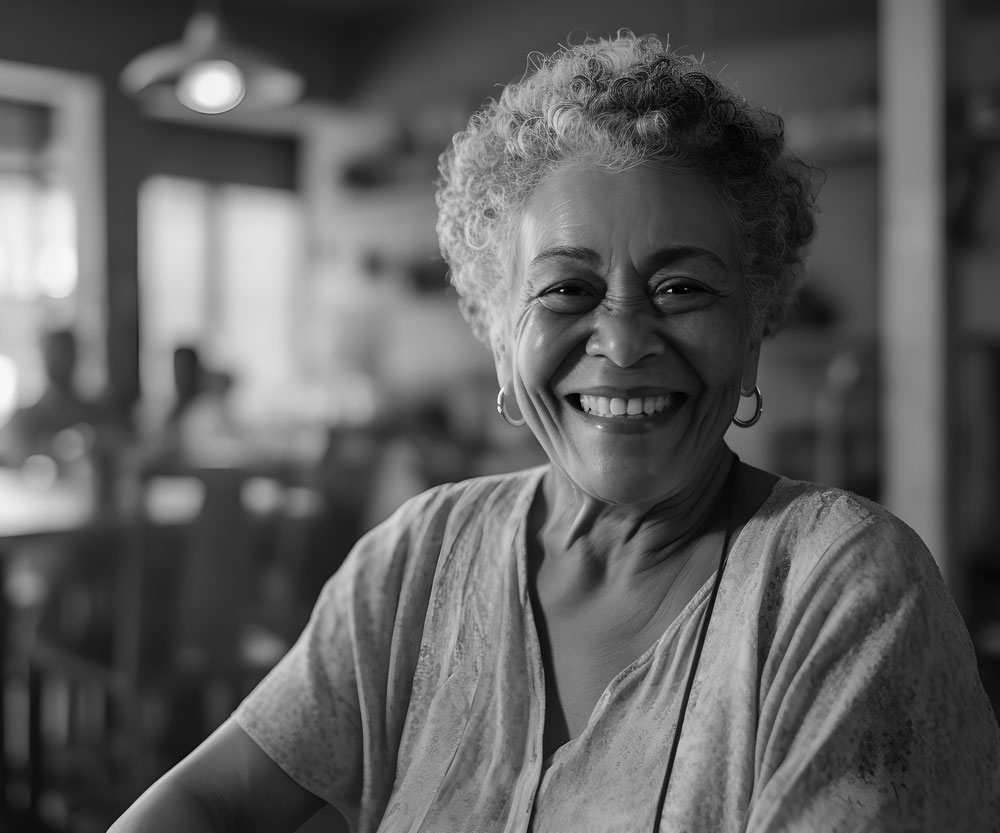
718, 350
542, 341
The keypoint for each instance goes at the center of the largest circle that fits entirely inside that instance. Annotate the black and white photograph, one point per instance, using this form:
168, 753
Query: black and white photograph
480, 416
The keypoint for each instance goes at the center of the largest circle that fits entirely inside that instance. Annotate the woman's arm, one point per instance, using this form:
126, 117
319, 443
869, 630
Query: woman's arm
227, 783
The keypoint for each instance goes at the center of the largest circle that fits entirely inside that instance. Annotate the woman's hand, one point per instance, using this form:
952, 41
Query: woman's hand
227, 783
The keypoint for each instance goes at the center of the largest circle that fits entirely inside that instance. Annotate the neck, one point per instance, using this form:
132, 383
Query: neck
603, 537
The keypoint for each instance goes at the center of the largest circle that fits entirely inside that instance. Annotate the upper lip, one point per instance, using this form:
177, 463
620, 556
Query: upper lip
624, 393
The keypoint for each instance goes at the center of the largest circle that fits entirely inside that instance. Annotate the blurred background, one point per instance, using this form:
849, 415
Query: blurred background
228, 346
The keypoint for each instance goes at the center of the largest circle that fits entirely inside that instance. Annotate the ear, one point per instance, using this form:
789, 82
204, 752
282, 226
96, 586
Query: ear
501, 361
750, 362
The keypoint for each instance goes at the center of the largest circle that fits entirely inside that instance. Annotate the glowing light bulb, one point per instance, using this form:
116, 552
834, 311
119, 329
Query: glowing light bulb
211, 87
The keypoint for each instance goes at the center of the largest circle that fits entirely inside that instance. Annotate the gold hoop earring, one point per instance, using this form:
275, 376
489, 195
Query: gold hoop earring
746, 423
515, 423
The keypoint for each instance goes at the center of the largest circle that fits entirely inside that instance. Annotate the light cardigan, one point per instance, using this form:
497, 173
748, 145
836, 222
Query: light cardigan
837, 690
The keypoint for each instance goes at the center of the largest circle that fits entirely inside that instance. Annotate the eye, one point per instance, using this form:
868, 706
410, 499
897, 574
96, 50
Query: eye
679, 286
570, 297
681, 295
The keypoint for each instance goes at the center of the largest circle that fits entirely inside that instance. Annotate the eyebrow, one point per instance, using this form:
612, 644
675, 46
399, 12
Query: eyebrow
667, 256
581, 253
670, 255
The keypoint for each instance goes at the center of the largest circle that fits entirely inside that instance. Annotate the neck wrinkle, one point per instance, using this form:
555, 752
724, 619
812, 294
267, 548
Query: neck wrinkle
602, 534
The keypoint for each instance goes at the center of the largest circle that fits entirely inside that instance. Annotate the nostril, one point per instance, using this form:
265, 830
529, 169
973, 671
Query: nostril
625, 345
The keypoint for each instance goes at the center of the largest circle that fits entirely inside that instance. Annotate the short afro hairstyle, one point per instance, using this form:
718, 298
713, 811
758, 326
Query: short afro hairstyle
620, 102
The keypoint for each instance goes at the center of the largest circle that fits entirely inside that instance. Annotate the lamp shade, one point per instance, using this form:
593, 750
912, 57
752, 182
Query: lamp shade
210, 73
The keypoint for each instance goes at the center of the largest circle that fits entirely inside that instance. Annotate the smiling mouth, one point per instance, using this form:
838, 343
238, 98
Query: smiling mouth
636, 407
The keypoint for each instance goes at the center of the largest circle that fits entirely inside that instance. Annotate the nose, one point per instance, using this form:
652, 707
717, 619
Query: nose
624, 337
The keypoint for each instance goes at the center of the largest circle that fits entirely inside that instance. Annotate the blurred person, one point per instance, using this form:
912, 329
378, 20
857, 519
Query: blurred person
644, 633
208, 426
200, 425
33, 429
189, 381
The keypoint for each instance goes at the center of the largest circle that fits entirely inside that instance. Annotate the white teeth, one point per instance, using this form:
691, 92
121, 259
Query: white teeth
635, 406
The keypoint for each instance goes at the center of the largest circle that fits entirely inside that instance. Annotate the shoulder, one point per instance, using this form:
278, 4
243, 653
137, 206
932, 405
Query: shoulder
494, 501
812, 546
818, 513
443, 519
818, 522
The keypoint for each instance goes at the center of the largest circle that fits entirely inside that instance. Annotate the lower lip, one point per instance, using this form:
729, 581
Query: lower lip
633, 424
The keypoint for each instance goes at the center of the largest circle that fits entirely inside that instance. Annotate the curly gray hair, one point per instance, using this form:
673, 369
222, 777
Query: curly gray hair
621, 102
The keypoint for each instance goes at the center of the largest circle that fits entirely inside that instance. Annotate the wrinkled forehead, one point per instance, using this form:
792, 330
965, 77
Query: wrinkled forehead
630, 212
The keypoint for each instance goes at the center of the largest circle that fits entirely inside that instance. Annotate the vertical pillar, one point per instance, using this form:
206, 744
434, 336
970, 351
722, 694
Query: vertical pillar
915, 319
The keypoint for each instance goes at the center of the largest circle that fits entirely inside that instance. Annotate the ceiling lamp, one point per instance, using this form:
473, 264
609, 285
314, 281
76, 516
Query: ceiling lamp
209, 73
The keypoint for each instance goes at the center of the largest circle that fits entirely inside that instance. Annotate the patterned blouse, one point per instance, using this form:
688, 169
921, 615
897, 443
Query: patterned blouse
837, 689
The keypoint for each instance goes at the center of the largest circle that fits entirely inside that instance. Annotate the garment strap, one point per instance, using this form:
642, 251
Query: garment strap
731, 478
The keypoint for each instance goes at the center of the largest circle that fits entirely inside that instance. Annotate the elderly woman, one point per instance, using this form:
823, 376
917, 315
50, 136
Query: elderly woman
644, 634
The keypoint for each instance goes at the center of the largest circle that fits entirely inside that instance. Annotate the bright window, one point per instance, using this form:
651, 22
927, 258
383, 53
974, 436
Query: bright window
219, 267
39, 270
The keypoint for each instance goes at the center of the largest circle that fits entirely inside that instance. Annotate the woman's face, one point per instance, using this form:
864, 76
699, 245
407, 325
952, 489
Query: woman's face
627, 340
